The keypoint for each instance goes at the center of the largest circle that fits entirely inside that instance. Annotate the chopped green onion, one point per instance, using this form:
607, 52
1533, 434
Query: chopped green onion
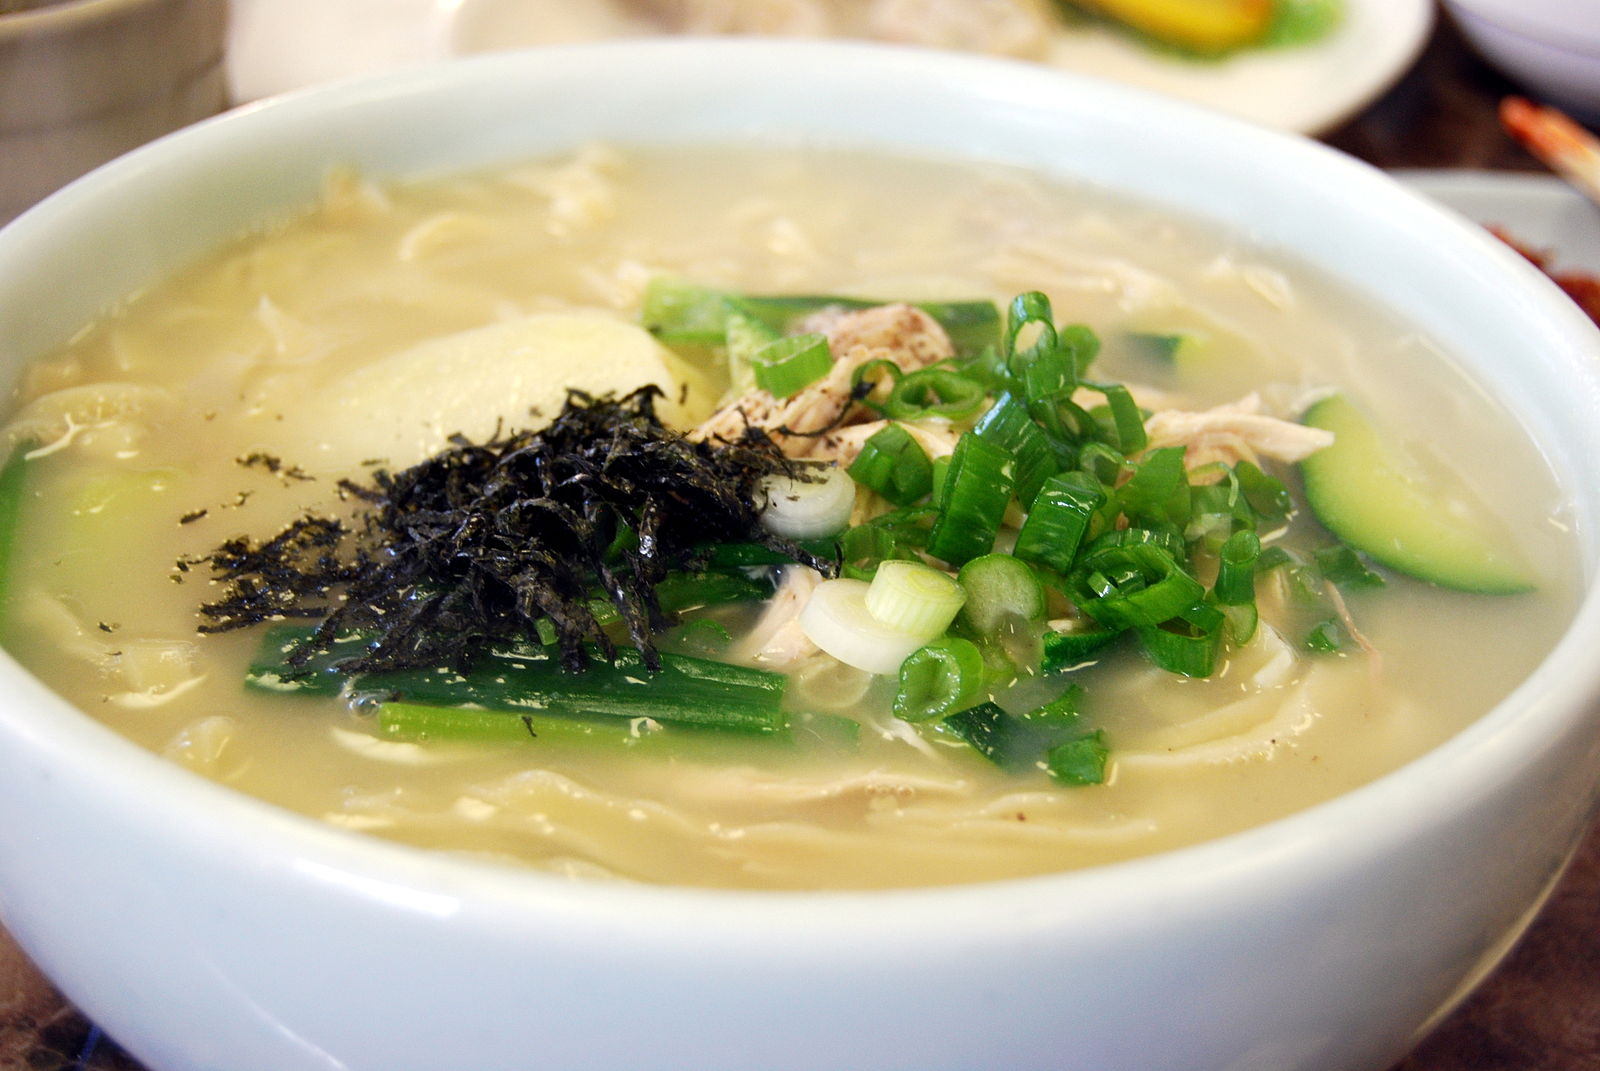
1047, 376
744, 337
1187, 644
1068, 650
934, 392
1030, 310
1327, 637
985, 727
913, 597
837, 620
1266, 494
941, 474
1236, 569
1126, 420
1080, 761
867, 372
1102, 462
944, 676
679, 311
1059, 520
1000, 589
1060, 712
1138, 585
1067, 754
972, 502
1166, 537
1158, 490
789, 365
816, 501
894, 465
1009, 425
1341, 565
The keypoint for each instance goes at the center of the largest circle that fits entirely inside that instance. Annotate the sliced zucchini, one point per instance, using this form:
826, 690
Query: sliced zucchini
1363, 493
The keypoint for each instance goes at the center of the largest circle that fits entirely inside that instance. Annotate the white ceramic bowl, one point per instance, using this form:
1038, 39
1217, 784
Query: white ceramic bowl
1550, 47
207, 930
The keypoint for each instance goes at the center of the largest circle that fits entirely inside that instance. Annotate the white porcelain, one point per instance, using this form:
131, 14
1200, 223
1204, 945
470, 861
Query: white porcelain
209, 931
278, 45
1550, 47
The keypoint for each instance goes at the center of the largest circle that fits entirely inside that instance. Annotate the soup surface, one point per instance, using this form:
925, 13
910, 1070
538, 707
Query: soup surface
232, 398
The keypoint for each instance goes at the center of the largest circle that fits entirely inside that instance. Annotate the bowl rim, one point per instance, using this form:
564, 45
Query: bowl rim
1319, 839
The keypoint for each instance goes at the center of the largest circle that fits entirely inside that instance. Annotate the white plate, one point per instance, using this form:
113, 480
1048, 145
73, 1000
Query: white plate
1539, 211
279, 45
1308, 89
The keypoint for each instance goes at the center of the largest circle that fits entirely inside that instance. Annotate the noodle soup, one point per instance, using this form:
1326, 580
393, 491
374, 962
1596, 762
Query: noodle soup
236, 396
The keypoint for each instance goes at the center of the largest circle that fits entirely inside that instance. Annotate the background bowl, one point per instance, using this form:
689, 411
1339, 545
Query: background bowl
1550, 47
207, 930
82, 81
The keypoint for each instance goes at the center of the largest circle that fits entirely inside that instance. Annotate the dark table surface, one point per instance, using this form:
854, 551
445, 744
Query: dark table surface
1540, 1011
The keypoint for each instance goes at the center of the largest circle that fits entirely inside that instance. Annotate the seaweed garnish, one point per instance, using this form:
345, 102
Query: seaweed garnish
495, 542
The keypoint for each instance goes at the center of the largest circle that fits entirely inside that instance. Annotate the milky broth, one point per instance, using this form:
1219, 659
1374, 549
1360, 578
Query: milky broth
178, 384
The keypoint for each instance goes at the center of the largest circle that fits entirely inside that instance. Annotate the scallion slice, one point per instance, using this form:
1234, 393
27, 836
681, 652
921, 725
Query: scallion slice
1068, 650
894, 465
915, 598
1000, 590
817, 501
1060, 519
945, 676
934, 392
972, 502
1138, 586
837, 620
1158, 490
1009, 425
1236, 569
1337, 563
1080, 761
1126, 419
787, 366
683, 312
1187, 644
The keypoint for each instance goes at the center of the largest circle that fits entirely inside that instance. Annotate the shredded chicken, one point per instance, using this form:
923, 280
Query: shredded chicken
777, 641
903, 334
1237, 431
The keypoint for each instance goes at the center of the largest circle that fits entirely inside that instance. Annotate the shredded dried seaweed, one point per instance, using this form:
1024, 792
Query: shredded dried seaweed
488, 542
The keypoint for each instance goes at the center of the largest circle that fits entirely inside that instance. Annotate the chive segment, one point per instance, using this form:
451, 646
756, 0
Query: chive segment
529, 678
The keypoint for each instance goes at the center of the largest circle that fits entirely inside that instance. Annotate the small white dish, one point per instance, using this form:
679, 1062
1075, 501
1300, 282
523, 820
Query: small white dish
1541, 212
1550, 47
